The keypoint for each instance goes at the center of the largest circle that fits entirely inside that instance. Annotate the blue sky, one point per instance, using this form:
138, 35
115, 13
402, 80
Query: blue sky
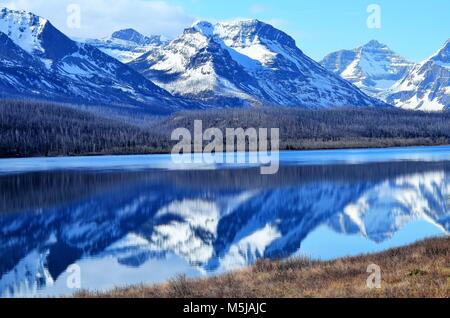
413, 28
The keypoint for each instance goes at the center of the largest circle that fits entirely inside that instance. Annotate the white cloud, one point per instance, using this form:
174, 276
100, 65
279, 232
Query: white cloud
100, 18
256, 9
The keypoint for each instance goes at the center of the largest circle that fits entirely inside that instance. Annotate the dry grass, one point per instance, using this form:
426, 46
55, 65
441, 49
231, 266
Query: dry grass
419, 270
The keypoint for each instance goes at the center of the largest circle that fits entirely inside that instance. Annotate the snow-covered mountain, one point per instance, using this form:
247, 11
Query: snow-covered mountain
40, 61
373, 67
245, 63
381, 73
427, 86
228, 64
215, 227
127, 45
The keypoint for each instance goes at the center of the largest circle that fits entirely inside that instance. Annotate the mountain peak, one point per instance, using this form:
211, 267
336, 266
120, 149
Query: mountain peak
249, 26
441, 56
24, 28
253, 31
245, 22
127, 34
250, 29
444, 53
131, 35
373, 67
203, 27
374, 44
21, 17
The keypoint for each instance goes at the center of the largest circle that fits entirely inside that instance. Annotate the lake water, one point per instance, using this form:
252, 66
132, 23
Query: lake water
125, 220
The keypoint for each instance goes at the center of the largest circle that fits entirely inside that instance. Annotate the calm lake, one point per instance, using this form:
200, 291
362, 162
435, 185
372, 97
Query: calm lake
125, 220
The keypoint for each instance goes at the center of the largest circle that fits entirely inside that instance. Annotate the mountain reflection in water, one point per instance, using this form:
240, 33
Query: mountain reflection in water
130, 227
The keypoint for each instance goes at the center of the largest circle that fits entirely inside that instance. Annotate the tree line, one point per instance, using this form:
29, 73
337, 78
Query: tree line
34, 128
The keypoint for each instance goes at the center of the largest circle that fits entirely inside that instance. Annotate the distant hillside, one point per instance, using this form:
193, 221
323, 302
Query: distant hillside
45, 129
328, 128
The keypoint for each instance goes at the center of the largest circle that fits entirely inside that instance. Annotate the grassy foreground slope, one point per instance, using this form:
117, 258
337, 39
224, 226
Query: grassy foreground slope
419, 270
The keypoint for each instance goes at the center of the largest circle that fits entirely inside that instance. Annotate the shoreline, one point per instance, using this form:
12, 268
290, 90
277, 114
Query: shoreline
120, 154
418, 270
283, 158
